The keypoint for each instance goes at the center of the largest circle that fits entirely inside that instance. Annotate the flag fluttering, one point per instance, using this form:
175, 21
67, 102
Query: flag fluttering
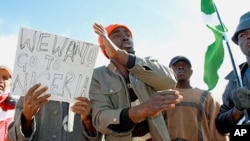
214, 55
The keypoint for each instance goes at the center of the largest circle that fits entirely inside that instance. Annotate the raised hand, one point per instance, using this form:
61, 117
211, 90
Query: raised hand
34, 100
109, 47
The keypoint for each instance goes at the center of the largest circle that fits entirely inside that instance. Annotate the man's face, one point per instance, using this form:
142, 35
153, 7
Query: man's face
244, 42
5, 81
122, 38
182, 71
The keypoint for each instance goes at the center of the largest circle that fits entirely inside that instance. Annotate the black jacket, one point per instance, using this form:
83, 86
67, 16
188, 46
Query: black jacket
224, 121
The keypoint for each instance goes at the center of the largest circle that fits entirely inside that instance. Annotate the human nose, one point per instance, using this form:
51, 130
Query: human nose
125, 36
248, 36
180, 67
125, 39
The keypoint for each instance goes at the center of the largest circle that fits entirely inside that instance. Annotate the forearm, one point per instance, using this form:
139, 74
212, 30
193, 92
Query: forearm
89, 127
26, 126
224, 121
115, 53
15, 131
145, 70
137, 113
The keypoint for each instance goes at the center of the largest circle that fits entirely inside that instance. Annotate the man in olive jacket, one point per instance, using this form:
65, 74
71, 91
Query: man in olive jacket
129, 94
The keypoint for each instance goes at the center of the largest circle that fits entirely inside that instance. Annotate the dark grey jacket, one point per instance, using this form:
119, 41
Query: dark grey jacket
47, 125
224, 121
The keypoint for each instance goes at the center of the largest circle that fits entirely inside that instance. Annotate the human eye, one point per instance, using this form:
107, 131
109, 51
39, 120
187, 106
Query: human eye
115, 36
127, 34
5, 77
242, 35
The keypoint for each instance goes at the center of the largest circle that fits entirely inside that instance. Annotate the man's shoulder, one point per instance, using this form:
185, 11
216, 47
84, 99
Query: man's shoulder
100, 68
231, 75
202, 92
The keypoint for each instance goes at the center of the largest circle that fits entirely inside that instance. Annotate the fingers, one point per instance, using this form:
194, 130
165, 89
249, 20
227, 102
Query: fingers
167, 99
170, 99
96, 28
33, 101
99, 29
244, 91
82, 107
84, 99
168, 92
34, 92
170, 96
32, 89
168, 106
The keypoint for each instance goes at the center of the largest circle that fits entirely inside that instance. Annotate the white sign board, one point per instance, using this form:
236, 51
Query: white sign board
64, 65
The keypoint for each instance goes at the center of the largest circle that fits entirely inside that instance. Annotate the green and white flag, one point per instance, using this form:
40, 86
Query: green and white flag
215, 52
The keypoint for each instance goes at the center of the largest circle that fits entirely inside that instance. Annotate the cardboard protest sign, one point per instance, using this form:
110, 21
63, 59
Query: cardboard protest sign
64, 65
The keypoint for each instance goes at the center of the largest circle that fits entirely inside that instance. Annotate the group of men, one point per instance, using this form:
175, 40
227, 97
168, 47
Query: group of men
132, 99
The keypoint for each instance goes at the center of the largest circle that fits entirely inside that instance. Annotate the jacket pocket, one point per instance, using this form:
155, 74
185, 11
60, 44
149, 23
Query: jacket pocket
111, 87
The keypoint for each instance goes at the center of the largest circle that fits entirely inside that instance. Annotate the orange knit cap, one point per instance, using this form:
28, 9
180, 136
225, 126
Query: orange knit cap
109, 30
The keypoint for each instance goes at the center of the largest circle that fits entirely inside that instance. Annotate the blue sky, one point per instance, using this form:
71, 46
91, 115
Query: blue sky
161, 28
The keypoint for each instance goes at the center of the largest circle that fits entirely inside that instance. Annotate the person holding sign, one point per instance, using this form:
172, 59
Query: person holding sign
7, 102
129, 95
39, 119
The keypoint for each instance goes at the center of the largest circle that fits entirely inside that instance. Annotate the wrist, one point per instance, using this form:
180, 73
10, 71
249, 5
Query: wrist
238, 110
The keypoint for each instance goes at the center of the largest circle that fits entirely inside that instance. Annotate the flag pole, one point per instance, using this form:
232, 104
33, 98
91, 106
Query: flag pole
236, 73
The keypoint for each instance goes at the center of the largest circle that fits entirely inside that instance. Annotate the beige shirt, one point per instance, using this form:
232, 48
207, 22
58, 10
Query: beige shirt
194, 118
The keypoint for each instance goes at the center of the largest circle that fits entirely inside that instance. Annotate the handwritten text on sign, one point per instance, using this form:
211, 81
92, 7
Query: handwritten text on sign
63, 64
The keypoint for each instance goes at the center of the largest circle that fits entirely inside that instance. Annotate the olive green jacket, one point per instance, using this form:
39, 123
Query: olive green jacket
109, 95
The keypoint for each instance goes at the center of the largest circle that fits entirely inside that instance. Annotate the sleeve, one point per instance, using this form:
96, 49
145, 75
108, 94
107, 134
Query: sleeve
15, 129
213, 109
93, 136
125, 122
105, 109
145, 70
224, 119
131, 61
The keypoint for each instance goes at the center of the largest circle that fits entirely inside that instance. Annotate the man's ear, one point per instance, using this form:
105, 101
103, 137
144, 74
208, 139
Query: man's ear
103, 50
191, 72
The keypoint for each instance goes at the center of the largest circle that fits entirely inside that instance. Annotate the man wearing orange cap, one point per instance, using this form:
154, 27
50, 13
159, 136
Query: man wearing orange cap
129, 95
7, 102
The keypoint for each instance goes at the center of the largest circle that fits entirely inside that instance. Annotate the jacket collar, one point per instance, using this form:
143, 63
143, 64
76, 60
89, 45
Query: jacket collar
243, 67
112, 67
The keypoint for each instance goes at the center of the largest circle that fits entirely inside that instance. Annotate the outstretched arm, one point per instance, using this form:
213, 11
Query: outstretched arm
110, 48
